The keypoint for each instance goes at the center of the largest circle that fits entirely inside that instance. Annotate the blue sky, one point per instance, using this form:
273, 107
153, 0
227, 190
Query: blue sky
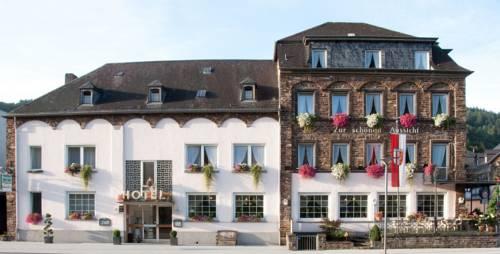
42, 40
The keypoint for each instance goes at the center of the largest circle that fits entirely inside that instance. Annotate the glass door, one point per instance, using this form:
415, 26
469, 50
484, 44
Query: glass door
165, 222
149, 218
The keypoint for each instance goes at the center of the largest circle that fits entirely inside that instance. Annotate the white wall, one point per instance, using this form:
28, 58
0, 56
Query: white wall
54, 183
168, 141
360, 183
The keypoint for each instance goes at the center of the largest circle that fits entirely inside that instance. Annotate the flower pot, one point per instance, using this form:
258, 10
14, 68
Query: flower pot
173, 241
481, 228
117, 240
490, 228
48, 239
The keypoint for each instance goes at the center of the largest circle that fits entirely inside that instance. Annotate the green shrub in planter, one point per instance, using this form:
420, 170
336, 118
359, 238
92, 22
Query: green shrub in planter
173, 237
375, 233
117, 237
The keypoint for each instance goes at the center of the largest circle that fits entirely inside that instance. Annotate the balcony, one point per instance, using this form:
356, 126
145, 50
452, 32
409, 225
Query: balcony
440, 175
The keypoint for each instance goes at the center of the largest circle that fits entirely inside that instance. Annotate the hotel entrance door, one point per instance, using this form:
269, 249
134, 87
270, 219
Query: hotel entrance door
148, 223
3, 213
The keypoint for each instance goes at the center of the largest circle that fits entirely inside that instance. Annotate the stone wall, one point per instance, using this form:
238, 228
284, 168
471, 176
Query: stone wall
416, 242
357, 134
323, 244
11, 163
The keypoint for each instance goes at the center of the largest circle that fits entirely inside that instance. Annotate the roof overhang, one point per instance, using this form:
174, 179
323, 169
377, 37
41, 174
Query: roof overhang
307, 39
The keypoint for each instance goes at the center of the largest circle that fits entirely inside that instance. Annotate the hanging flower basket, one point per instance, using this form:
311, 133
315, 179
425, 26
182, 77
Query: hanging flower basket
34, 218
408, 120
443, 121
410, 171
306, 121
306, 171
428, 170
242, 167
374, 120
375, 171
340, 171
340, 120
73, 169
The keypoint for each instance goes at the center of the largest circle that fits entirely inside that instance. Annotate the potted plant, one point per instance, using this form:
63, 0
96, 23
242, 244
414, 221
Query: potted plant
34, 218
340, 171
256, 171
375, 171
340, 120
209, 174
6, 237
117, 238
173, 238
48, 232
306, 121
74, 168
410, 172
74, 216
332, 230
194, 168
481, 223
242, 167
443, 120
86, 175
306, 171
374, 120
374, 235
408, 120
87, 216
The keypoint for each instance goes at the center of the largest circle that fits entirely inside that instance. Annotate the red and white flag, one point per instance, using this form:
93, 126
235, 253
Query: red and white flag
398, 172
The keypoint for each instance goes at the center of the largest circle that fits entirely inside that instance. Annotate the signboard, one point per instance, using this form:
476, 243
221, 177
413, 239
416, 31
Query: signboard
5, 183
105, 222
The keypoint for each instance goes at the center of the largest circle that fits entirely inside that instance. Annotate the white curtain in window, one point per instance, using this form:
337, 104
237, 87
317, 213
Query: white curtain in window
309, 154
439, 155
154, 95
36, 157
339, 104
410, 153
372, 59
211, 152
305, 154
373, 154
439, 104
301, 154
89, 156
421, 60
372, 105
406, 104
240, 154
305, 103
318, 59
74, 155
193, 155
258, 155
340, 154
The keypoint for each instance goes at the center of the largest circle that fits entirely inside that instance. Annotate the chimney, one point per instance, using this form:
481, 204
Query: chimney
68, 77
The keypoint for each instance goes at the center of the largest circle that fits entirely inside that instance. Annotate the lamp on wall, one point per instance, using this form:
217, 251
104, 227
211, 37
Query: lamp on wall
284, 202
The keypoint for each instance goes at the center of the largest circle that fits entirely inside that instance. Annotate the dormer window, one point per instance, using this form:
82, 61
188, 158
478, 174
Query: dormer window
88, 93
422, 60
248, 89
373, 59
154, 95
318, 58
87, 97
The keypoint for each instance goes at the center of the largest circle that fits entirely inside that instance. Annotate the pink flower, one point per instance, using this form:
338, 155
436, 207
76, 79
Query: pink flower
340, 120
34, 218
428, 170
408, 120
307, 171
375, 170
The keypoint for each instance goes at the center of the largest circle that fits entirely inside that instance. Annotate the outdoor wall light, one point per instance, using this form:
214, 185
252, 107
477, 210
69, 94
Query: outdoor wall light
285, 202
461, 200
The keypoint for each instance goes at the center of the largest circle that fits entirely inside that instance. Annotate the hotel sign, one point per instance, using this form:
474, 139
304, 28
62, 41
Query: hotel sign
5, 183
145, 196
367, 130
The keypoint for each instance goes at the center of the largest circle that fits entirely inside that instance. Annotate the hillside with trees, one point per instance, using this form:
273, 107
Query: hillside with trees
6, 107
483, 129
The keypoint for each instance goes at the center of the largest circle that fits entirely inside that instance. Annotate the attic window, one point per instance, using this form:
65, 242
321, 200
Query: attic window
207, 70
202, 93
154, 95
248, 93
86, 97
318, 58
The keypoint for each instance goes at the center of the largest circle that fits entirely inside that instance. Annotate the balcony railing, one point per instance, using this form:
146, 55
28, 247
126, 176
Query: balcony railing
440, 175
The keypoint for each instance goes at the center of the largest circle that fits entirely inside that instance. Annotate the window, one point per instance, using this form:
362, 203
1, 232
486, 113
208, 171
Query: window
249, 205
410, 155
86, 97
406, 103
353, 206
305, 102
202, 93
439, 104
36, 157
154, 95
148, 175
339, 104
202, 205
36, 202
306, 154
373, 153
201, 155
373, 103
83, 155
373, 59
426, 204
81, 203
440, 160
248, 93
422, 60
249, 154
313, 206
392, 205
340, 154
319, 58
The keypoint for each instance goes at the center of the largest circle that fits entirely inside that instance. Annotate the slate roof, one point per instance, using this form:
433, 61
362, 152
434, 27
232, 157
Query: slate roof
123, 88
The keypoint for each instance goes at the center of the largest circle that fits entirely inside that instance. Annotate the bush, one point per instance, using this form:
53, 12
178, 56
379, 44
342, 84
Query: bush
332, 230
375, 233
173, 234
117, 233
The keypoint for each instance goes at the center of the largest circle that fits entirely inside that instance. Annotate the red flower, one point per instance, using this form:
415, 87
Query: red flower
307, 171
340, 120
408, 120
34, 218
375, 170
428, 170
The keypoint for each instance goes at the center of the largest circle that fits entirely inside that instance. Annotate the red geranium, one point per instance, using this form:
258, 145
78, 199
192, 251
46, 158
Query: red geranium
408, 120
306, 171
428, 170
34, 218
340, 120
375, 170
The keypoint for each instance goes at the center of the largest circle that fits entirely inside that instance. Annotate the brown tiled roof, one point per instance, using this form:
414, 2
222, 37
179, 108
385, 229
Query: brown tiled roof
123, 88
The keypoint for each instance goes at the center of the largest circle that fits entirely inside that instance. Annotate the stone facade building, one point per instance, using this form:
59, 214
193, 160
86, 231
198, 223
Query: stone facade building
135, 119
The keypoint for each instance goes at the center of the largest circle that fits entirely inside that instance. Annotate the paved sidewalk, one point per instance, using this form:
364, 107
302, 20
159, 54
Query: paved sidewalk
32, 247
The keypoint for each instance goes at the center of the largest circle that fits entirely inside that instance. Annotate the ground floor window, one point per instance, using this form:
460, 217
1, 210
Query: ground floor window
353, 206
81, 203
36, 202
426, 204
249, 205
202, 205
313, 206
392, 205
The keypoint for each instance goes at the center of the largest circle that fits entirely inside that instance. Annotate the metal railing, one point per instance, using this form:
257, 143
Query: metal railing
306, 242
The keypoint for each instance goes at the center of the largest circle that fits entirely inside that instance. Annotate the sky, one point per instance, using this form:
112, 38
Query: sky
40, 41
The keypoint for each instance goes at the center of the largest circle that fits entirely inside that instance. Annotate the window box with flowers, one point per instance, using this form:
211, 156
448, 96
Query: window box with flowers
306, 121
408, 120
340, 171
249, 218
410, 172
34, 218
443, 121
340, 120
201, 218
374, 121
428, 173
373, 156
307, 171
249, 159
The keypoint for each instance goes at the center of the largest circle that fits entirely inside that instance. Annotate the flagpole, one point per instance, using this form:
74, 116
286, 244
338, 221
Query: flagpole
385, 208
397, 192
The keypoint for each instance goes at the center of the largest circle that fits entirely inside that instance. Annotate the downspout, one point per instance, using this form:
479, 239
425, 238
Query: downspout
16, 178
